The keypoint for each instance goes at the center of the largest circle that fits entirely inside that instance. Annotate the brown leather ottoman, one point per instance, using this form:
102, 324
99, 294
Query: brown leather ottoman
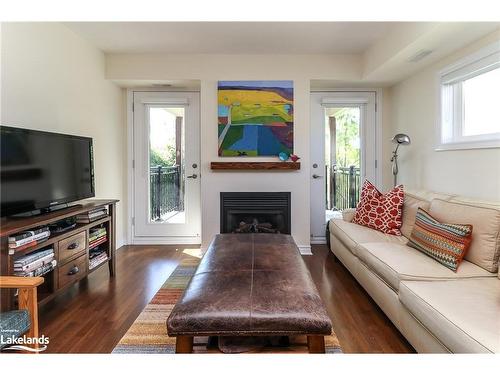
250, 285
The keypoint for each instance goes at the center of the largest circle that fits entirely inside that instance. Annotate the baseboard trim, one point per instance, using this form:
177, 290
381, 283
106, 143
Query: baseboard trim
318, 240
166, 241
305, 250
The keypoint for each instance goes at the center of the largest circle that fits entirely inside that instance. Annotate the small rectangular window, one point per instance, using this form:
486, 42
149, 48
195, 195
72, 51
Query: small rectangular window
470, 101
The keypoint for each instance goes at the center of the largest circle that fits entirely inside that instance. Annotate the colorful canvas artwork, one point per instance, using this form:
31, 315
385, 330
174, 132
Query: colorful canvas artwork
255, 118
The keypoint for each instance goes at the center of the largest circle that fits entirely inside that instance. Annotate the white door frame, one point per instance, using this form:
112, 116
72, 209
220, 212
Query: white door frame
378, 133
131, 239
379, 136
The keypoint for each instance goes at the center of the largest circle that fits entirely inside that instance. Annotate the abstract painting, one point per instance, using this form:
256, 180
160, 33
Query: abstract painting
255, 118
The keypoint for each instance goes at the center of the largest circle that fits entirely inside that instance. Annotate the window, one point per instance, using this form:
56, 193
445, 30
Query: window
470, 101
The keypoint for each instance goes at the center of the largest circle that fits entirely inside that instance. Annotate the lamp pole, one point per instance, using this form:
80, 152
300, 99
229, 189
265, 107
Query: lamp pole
394, 161
398, 139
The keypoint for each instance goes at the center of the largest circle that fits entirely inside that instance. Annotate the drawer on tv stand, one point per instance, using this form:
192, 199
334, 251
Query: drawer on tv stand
72, 246
72, 271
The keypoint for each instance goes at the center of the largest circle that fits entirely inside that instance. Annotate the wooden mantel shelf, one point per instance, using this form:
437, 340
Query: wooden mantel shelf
254, 166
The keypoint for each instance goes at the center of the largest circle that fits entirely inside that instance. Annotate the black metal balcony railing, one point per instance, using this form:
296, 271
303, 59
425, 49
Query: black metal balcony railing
344, 187
166, 195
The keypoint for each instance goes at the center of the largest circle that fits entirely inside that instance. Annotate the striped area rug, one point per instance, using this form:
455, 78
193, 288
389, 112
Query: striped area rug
148, 334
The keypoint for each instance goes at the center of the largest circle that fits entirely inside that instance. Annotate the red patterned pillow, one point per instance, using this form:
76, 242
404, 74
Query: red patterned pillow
383, 212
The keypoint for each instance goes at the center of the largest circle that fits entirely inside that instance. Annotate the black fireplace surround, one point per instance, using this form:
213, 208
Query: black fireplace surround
262, 212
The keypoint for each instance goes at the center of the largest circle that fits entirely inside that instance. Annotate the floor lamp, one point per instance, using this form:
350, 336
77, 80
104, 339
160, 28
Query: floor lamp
399, 139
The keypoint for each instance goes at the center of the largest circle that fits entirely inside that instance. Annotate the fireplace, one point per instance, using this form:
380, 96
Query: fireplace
255, 212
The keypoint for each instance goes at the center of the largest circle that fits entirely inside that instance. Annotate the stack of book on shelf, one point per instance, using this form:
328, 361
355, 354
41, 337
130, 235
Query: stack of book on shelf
97, 252
96, 257
97, 236
28, 239
92, 215
37, 263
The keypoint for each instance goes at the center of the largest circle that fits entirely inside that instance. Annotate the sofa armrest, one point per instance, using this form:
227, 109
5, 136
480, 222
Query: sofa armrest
20, 282
348, 214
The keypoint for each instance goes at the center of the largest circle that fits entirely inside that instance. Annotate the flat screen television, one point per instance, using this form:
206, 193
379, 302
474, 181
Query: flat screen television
42, 171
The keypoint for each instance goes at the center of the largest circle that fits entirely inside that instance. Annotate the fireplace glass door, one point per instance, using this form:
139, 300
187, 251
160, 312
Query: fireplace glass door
255, 212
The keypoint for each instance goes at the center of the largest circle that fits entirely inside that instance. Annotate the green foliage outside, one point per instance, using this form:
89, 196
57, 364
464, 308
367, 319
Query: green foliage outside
164, 157
348, 148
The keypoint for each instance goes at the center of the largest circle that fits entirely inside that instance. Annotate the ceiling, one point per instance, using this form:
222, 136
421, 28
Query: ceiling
386, 52
233, 37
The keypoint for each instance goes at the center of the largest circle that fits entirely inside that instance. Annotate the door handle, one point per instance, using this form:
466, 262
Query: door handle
317, 176
193, 176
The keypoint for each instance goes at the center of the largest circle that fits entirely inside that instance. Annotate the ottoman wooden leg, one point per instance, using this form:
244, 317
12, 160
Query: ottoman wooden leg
184, 344
316, 344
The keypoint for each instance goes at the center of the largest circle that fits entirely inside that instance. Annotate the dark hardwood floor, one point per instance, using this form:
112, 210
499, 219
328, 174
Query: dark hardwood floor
359, 323
94, 314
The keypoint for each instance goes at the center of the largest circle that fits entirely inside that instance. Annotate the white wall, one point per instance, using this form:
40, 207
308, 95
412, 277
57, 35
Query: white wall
54, 80
414, 110
387, 134
211, 68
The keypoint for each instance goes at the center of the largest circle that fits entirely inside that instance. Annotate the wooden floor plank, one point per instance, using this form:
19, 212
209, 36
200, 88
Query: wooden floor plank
92, 316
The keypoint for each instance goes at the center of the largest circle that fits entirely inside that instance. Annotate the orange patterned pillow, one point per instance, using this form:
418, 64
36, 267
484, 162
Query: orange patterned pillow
383, 212
446, 243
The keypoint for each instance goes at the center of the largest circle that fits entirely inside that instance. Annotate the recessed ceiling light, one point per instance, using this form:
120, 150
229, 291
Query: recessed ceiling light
420, 55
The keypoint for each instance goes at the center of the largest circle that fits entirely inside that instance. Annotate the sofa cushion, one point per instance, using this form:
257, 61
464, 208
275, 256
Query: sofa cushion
394, 263
351, 234
446, 243
348, 214
13, 324
474, 202
411, 204
463, 314
485, 246
428, 195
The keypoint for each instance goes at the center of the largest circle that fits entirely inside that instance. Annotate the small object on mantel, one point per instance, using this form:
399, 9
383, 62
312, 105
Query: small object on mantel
254, 166
283, 156
294, 158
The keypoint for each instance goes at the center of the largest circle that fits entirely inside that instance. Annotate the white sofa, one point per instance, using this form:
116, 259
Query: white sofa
436, 309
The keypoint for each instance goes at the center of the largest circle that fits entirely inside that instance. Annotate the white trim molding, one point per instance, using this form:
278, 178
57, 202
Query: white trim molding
318, 240
170, 102
491, 143
305, 249
130, 163
171, 240
335, 101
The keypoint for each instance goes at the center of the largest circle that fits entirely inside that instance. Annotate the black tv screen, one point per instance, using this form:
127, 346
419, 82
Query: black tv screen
40, 170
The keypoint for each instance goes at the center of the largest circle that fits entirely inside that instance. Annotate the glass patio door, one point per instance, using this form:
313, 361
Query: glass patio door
343, 153
166, 168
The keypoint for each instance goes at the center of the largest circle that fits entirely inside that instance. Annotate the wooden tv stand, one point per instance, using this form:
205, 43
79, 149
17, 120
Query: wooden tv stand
71, 249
